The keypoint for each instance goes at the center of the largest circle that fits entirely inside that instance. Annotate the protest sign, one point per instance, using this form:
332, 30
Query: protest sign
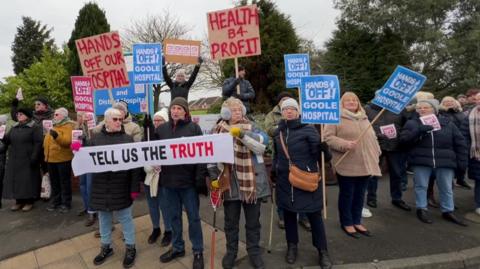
19, 95
2, 131
147, 63
296, 67
90, 118
186, 150
101, 58
76, 134
206, 122
389, 131
234, 33
431, 120
319, 99
399, 89
82, 93
47, 125
182, 51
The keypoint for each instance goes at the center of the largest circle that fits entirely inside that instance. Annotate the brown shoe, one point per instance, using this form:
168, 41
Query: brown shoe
27, 207
90, 220
16, 207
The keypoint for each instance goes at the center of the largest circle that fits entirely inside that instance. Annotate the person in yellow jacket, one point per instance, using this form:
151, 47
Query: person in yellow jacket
58, 157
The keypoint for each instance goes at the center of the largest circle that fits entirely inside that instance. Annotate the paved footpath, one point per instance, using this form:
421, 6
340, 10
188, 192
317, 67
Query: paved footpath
40, 239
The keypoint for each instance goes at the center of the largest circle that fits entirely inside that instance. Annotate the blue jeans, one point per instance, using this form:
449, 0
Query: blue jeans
187, 197
85, 189
124, 216
350, 199
444, 179
157, 205
477, 193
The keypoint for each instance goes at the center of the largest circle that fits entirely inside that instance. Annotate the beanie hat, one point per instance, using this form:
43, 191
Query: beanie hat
161, 113
42, 100
121, 105
290, 102
282, 95
180, 101
432, 102
26, 111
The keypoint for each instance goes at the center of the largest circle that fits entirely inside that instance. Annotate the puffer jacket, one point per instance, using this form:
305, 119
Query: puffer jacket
57, 150
247, 92
445, 148
455, 115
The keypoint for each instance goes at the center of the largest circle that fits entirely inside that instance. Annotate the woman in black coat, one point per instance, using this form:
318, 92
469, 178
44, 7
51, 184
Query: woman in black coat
303, 144
22, 172
437, 152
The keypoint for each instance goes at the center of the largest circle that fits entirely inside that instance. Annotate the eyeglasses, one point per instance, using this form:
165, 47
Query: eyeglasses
38, 103
117, 119
158, 120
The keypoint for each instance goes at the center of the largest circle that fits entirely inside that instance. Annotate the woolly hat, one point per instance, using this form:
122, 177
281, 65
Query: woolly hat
180, 101
162, 113
432, 102
25, 111
122, 105
42, 100
290, 102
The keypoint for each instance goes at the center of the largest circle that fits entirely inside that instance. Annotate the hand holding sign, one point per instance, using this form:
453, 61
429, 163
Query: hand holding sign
19, 95
389, 131
431, 120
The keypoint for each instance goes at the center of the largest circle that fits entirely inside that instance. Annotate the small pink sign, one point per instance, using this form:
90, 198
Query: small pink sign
389, 131
431, 120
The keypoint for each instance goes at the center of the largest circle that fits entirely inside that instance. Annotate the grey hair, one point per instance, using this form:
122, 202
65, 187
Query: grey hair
3, 119
111, 112
63, 111
180, 71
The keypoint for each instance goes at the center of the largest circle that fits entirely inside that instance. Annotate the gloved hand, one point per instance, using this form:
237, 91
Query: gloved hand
134, 195
15, 102
200, 59
323, 147
425, 128
75, 146
237, 81
214, 184
53, 133
237, 132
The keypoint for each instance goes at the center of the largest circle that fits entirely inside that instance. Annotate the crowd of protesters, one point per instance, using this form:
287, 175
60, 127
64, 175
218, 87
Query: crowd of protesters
443, 157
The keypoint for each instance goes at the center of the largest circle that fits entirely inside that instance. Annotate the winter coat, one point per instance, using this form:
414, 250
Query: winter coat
38, 116
302, 142
363, 160
272, 119
247, 92
57, 150
183, 175
180, 89
3, 158
473, 164
445, 148
131, 128
22, 174
111, 190
454, 115
386, 118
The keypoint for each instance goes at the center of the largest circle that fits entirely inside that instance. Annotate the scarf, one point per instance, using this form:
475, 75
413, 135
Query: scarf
358, 115
61, 122
474, 125
243, 168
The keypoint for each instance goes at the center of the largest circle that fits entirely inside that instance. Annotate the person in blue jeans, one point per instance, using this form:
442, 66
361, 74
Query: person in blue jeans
438, 151
85, 188
182, 184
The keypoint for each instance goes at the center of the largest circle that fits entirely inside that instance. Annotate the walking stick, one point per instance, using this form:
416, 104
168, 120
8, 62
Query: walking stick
215, 199
269, 249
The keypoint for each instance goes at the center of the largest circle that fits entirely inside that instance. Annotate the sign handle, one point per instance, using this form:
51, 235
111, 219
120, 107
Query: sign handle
236, 74
322, 127
110, 95
361, 135
147, 95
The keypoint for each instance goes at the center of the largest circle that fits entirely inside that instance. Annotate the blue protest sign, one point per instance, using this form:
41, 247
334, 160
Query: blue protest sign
147, 63
319, 98
296, 67
399, 89
133, 95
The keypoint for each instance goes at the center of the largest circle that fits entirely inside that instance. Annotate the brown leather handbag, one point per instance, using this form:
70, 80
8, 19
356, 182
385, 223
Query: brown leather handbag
304, 180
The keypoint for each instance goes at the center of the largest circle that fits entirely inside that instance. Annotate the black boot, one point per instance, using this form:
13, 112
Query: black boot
105, 252
154, 235
452, 218
324, 259
130, 254
197, 261
463, 184
257, 262
228, 261
167, 238
291, 256
422, 215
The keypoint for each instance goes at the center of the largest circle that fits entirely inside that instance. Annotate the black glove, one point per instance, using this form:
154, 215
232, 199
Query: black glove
425, 128
323, 147
237, 81
15, 102
200, 59
33, 162
273, 177
54, 134
147, 122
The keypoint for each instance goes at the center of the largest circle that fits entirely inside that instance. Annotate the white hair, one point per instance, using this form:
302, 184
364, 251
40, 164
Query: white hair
112, 112
180, 72
63, 111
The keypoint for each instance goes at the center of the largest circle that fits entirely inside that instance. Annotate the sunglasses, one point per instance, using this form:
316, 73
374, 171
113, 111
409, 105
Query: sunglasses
117, 119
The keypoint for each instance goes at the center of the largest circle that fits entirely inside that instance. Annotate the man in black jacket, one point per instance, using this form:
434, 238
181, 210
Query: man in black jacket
180, 86
247, 92
182, 184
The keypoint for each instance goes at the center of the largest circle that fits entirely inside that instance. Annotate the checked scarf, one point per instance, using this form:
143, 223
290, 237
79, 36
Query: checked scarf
243, 165
474, 125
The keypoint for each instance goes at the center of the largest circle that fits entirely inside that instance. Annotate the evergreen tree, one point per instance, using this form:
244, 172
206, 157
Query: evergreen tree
91, 21
29, 41
266, 72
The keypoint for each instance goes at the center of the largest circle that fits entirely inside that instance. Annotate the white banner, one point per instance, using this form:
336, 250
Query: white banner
187, 150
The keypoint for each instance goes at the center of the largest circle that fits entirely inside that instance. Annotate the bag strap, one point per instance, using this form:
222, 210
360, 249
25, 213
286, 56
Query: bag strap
285, 149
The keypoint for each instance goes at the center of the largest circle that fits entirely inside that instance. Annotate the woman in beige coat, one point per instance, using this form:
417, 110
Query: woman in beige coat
358, 166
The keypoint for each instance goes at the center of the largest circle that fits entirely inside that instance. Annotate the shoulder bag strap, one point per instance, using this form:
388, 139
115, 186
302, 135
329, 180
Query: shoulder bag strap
285, 149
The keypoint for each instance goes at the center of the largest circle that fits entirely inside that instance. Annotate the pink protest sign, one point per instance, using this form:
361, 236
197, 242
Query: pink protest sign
82, 88
431, 120
389, 131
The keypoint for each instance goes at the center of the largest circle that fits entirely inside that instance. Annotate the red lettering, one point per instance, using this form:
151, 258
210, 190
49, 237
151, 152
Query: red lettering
199, 146
208, 148
182, 151
214, 48
173, 148
224, 49
116, 40
213, 20
81, 46
231, 33
191, 150
233, 17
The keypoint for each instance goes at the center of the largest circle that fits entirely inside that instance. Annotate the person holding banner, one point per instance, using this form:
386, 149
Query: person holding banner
247, 183
182, 185
22, 172
157, 204
180, 87
246, 94
303, 145
436, 147
360, 163
114, 192
131, 128
58, 157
